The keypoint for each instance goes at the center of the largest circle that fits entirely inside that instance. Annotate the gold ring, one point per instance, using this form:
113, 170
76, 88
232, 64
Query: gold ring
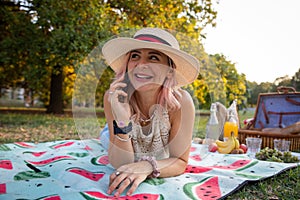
117, 173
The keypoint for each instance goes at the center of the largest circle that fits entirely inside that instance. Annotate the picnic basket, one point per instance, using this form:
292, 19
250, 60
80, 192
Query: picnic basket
275, 111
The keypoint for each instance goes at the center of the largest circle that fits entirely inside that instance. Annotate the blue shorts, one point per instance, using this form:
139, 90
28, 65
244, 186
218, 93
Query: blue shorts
104, 137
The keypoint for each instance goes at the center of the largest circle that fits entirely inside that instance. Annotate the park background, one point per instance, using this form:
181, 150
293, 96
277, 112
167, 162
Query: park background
44, 44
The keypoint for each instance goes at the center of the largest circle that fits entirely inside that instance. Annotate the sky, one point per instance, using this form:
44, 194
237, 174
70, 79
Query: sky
262, 37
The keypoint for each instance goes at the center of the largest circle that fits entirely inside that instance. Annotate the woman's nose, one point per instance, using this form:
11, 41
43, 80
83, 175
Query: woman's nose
143, 60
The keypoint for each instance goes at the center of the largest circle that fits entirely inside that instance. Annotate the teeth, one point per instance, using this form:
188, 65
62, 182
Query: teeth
143, 76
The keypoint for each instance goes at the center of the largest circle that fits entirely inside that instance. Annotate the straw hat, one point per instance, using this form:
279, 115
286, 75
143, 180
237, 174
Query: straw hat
187, 66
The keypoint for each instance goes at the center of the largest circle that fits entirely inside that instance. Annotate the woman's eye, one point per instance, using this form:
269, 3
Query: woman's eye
134, 56
154, 58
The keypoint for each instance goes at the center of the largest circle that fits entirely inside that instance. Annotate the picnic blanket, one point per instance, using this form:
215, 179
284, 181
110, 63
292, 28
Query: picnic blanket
79, 169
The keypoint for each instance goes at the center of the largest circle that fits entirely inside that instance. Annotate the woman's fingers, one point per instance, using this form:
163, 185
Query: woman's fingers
120, 181
123, 185
134, 184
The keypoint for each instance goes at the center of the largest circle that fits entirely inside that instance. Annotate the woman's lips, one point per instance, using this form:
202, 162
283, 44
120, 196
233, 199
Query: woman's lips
143, 76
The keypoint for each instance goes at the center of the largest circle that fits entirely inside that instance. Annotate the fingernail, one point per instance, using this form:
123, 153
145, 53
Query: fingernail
116, 194
128, 194
108, 191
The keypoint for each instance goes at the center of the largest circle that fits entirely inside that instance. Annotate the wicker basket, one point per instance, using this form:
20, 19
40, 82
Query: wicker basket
275, 110
268, 138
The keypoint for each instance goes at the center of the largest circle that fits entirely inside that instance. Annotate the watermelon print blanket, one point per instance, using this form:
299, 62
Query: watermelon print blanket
79, 170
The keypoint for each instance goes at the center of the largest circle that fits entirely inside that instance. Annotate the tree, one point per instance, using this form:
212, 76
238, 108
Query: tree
56, 34
296, 80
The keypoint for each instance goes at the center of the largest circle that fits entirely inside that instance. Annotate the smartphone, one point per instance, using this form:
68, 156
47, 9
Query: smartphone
123, 99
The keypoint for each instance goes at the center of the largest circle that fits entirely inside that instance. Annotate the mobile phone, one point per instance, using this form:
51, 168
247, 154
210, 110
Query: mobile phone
121, 98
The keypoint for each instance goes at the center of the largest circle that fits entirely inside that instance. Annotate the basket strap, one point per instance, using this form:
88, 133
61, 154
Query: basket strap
283, 113
292, 101
265, 112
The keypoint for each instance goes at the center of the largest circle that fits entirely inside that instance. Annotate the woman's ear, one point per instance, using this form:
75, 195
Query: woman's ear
170, 73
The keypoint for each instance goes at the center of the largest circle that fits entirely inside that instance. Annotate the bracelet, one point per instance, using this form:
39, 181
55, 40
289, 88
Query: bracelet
152, 161
122, 139
123, 130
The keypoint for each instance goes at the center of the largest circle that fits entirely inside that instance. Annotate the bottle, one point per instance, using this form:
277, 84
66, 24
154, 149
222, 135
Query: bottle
212, 127
230, 126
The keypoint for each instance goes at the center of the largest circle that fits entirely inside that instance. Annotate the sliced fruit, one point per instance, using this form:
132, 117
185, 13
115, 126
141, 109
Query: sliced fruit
94, 195
196, 169
208, 188
62, 144
100, 160
94, 176
50, 160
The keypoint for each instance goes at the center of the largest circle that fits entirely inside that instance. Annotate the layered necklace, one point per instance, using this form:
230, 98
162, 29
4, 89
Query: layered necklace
144, 122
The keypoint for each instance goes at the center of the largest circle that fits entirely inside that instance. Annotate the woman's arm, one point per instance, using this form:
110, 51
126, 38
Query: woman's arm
119, 152
182, 125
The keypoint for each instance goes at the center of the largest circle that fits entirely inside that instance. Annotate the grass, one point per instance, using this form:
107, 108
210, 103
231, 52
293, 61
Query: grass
41, 128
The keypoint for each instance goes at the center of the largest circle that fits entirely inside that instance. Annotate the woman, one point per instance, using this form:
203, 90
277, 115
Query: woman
150, 118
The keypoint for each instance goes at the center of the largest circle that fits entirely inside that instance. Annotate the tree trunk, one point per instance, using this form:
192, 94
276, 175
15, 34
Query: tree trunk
56, 91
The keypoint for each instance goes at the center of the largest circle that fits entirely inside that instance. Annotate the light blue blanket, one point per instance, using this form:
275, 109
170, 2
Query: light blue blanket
79, 169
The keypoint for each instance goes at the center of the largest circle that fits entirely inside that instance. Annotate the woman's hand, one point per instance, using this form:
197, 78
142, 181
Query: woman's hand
129, 176
120, 110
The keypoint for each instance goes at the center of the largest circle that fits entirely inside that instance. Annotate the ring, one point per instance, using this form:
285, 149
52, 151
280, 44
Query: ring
110, 92
117, 173
130, 181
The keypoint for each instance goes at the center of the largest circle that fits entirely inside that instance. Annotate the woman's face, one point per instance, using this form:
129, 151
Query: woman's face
147, 68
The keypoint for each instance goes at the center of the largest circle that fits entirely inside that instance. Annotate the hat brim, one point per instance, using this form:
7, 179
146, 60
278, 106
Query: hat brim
187, 66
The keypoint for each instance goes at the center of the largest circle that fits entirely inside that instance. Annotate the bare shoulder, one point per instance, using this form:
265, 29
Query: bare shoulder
185, 99
187, 105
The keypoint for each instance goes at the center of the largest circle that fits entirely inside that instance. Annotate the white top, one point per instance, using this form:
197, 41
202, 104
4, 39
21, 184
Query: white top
152, 139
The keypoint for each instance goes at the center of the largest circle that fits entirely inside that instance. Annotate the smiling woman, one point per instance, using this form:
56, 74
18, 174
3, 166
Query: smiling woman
148, 115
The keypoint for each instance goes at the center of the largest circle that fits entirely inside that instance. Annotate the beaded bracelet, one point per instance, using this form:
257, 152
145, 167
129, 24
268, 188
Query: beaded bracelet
155, 173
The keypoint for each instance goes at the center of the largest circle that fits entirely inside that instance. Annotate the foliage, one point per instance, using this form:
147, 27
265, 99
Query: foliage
43, 38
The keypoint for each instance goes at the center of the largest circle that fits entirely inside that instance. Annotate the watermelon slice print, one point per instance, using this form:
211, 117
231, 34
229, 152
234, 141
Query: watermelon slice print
206, 189
4, 147
50, 160
6, 164
238, 165
100, 160
62, 144
24, 145
196, 157
26, 175
196, 169
2, 188
52, 197
192, 149
94, 176
92, 195
36, 154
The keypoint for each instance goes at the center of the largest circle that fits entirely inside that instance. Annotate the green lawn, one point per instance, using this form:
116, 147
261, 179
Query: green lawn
41, 128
